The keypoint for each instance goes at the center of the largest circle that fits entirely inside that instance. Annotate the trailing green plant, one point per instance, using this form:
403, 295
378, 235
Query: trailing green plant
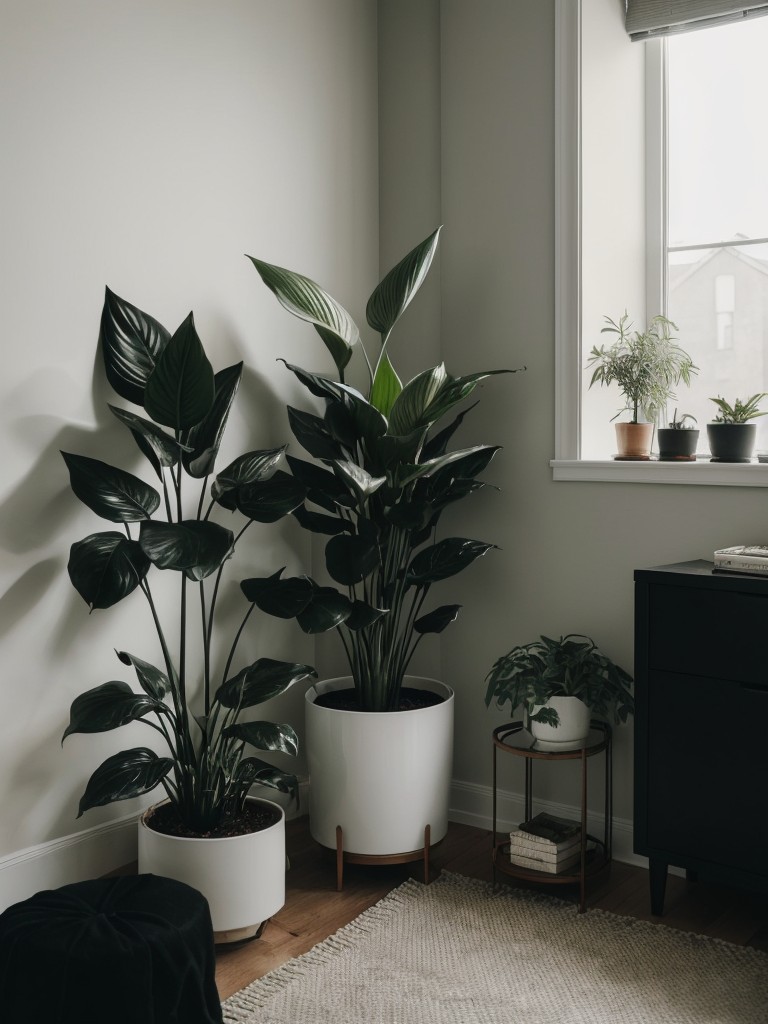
385, 477
646, 365
206, 773
571, 666
739, 412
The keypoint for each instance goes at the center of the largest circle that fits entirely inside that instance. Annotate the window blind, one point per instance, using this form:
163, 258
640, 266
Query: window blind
646, 18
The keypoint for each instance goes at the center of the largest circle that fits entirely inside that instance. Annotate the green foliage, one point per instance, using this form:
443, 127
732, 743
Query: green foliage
740, 411
647, 365
572, 666
680, 422
206, 775
384, 479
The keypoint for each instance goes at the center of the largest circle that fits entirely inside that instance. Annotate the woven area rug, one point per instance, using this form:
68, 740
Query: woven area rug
458, 952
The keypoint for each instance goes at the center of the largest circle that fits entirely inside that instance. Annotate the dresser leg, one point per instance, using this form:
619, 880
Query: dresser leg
658, 878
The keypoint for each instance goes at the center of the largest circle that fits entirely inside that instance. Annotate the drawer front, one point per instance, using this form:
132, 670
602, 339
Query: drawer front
710, 633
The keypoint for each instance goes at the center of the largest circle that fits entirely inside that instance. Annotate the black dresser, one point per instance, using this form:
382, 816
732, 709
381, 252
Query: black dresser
701, 725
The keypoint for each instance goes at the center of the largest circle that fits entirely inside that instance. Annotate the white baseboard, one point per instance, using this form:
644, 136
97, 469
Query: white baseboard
471, 804
104, 848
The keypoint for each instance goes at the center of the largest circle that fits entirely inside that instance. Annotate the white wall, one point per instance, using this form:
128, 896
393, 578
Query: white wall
149, 147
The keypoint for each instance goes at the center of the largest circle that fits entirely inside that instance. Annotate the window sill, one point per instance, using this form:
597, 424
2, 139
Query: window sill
713, 474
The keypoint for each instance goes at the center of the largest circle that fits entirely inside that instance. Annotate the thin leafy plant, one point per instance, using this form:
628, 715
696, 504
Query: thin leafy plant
739, 412
205, 773
383, 479
646, 365
571, 666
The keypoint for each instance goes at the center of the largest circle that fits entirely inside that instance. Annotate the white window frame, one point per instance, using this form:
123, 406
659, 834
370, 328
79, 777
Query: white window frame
567, 464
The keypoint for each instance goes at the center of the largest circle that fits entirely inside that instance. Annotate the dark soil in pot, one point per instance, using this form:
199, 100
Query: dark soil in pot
255, 817
411, 699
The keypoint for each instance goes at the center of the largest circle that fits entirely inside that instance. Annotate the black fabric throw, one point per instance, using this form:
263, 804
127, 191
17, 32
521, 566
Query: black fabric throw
136, 949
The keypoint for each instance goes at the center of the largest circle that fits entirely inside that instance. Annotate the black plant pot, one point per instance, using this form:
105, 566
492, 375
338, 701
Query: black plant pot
731, 442
677, 445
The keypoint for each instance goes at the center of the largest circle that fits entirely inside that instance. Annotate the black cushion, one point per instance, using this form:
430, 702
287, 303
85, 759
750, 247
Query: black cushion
136, 949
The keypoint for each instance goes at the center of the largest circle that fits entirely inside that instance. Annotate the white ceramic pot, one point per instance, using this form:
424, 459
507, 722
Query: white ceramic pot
574, 718
242, 877
382, 776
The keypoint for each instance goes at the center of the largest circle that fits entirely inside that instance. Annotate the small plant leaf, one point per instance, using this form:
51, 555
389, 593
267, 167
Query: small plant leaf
267, 501
246, 469
386, 386
106, 567
391, 297
444, 559
326, 609
437, 620
152, 681
261, 681
265, 736
193, 547
159, 448
253, 771
283, 598
111, 493
122, 776
107, 707
180, 392
350, 560
204, 439
131, 342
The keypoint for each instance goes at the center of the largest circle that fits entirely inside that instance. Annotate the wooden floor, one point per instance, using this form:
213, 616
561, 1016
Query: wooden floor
314, 910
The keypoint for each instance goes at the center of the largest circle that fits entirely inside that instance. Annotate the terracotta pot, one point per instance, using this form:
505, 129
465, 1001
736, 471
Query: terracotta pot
633, 440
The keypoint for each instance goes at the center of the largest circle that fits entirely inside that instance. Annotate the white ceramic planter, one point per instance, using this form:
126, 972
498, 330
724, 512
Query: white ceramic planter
381, 776
574, 722
242, 877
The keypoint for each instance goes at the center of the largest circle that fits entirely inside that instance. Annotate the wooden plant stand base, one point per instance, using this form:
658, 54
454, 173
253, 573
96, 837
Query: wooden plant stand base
386, 858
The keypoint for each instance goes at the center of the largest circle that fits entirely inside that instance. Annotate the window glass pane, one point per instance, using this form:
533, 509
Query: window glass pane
718, 146
719, 300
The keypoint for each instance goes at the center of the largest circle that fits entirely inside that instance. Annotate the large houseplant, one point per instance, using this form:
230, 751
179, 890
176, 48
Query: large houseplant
196, 707
647, 366
385, 478
545, 678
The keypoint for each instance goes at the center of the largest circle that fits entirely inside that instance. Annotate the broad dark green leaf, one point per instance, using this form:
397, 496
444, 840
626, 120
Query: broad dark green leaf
358, 480
368, 423
193, 547
246, 469
456, 389
253, 771
261, 681
410, 410
111, 493
268, 501
151, 679
438, 444
323, 488
386, 386
159, 448
204, 439
322, 387
265, 736
350, 559
364, 615
313, 435
398, 287
408, 515
180, 391
107, 707
308, 301
326, 609
317, 522
437, 620
444, 559
131, 342
122, 776
283, 598
106, 567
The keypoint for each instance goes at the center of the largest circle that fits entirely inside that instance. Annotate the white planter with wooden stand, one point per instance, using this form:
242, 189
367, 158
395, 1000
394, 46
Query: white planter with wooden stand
574, 718
379, 782
242, 877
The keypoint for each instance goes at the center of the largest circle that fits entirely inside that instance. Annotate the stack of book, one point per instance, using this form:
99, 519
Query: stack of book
745, 558
546, 843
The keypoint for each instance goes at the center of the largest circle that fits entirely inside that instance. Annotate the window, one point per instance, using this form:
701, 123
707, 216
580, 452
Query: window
694, 246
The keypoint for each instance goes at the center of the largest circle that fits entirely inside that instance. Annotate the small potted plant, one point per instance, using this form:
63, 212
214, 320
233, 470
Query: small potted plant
678, 440
209, 832
647, 366
731, 436
560, 684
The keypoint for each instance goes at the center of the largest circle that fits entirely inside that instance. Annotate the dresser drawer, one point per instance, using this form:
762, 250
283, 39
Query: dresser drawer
707, 633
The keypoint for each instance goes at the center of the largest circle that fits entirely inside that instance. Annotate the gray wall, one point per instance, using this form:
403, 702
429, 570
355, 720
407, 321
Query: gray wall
149, 147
